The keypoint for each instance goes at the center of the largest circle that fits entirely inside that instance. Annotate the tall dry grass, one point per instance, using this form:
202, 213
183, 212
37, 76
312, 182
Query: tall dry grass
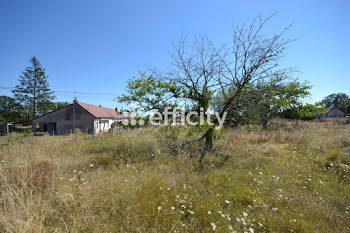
292, 178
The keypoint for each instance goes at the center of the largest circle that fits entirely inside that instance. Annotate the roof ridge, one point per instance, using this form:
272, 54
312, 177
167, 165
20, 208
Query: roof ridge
99, 111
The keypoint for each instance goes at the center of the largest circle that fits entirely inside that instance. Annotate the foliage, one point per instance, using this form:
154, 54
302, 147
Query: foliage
150, 93
335, 99
59, 105
34, 92
339, 100
270, 98
301, 112
265, 100
10, 110
345, 106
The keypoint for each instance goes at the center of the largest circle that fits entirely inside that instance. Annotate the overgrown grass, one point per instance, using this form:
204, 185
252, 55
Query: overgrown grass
293, 178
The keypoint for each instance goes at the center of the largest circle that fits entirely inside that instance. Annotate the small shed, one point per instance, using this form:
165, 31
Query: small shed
6, 128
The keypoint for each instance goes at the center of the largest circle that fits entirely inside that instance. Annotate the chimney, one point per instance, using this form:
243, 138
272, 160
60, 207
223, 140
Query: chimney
100, 105
116, 109
75, 100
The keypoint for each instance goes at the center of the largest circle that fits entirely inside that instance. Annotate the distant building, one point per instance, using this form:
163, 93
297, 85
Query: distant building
84, 117
6, 128
330, 113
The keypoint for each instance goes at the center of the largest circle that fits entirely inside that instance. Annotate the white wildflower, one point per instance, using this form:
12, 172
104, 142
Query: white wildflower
213, 226
190, 211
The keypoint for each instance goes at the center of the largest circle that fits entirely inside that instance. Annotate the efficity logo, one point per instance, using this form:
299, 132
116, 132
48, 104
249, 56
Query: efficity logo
173, 116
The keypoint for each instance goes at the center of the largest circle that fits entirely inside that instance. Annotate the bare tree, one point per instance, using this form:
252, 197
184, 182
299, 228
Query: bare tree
194, 69
201, 69
251, 56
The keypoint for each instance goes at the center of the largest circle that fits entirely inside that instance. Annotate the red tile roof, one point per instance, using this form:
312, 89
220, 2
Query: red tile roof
100, 112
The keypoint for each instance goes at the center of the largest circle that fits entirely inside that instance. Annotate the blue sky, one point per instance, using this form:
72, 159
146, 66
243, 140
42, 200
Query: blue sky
95, 46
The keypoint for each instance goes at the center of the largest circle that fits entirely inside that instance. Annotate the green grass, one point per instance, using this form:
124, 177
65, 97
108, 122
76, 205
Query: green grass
294, 178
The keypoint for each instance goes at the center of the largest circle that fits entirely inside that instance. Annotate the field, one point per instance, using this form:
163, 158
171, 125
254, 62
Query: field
294, 177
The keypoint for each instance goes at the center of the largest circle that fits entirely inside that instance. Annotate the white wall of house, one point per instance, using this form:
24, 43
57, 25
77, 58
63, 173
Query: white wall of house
103, 124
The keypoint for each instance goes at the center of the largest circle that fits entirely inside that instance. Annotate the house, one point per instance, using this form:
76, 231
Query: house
330, 113
6, 128
87, 118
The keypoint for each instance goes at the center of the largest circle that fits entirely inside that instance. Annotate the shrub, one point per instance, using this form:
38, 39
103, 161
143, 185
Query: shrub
333, 155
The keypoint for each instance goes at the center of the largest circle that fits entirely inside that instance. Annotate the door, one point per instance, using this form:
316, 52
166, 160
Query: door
51, 128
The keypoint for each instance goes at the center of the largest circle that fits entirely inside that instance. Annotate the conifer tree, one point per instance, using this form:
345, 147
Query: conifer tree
34, 92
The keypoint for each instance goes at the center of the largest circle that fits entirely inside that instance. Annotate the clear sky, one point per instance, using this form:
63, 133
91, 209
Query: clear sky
95, 46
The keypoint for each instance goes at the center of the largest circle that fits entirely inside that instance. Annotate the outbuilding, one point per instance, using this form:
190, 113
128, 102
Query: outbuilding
330, 113
6, 128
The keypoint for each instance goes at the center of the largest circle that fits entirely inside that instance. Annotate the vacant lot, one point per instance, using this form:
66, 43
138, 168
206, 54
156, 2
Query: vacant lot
294, 177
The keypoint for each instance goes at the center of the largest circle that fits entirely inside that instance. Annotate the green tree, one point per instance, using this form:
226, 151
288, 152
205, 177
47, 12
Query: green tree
34, 92
149, 93
59, 105
271, 98
202, 69
335, 100
301, 112
262, 101
10, 110
345, 106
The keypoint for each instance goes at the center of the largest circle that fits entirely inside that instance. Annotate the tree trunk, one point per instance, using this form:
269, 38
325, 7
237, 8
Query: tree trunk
206, 144
264, 124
